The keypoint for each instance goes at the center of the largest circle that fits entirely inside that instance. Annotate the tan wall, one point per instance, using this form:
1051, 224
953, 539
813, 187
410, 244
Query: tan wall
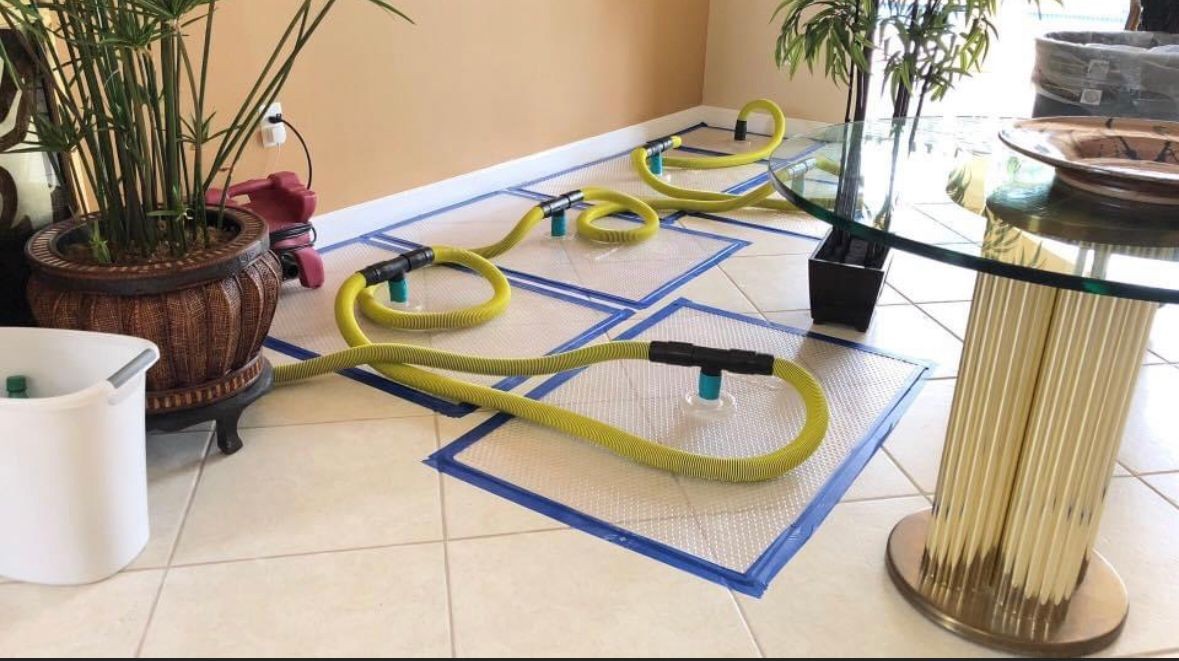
388, 106
740, 65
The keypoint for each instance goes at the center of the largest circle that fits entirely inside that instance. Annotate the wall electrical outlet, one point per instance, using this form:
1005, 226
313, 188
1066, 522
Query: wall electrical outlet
273, 135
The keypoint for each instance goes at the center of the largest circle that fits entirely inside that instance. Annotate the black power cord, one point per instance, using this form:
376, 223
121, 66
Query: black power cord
279, 119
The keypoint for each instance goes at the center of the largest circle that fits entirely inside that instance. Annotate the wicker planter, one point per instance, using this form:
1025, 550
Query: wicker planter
208, 313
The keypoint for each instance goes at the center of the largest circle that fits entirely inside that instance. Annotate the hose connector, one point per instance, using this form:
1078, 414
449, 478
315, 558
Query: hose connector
397, 267
740, 130
796, 169
711, 361
659, 146
560, 203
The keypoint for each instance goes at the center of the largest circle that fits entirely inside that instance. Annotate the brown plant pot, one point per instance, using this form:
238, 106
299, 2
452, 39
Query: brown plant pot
207, 312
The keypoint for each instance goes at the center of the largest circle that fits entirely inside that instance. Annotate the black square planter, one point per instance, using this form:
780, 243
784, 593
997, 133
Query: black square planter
844, 289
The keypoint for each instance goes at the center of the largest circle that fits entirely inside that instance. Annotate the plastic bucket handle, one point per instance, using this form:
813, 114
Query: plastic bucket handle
126, 373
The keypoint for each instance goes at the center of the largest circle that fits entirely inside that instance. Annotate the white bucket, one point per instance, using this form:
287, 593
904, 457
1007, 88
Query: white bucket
73, 468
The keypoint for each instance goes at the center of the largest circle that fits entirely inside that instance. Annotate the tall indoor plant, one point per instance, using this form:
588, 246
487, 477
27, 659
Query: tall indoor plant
1154, 16
921, 48
145, 254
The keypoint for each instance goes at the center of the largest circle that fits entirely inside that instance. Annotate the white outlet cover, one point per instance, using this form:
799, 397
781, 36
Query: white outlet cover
273, 135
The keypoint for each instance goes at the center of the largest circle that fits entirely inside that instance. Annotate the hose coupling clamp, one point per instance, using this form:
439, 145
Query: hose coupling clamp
397, 267
740, 130
659, 146
711, 361
560, 203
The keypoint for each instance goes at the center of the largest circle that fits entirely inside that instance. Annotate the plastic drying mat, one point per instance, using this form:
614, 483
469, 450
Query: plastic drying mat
719, 140
536, 322
632, 275
617, 173
738, 535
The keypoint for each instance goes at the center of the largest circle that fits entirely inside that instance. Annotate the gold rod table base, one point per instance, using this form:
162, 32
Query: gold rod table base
1094, 618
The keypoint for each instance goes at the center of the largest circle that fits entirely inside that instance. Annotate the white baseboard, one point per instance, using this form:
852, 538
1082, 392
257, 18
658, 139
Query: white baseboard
349, 222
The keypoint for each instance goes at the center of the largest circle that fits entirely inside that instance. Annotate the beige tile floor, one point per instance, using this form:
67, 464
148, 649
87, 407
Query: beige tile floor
327, 536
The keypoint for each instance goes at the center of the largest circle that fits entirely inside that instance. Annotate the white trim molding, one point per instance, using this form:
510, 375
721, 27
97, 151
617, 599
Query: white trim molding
344, 224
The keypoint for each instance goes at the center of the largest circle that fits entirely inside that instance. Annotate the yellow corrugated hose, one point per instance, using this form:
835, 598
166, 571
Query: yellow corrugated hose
744, 158
690, 199
403, 363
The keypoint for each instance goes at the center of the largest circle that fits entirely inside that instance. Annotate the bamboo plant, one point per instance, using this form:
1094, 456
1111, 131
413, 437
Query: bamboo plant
128, 83
923, 47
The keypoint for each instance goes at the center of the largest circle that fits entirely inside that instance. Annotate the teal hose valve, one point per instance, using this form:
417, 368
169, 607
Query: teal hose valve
710, 385
559, 225
399, 289
656, 161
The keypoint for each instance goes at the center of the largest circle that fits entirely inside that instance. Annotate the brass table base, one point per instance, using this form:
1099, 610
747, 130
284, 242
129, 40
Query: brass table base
1094, 618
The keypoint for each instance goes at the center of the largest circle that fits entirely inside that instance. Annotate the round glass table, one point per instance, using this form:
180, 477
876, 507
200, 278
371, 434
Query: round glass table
1068, 286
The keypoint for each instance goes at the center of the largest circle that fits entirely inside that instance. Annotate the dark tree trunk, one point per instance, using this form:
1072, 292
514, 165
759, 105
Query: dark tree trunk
1159, 16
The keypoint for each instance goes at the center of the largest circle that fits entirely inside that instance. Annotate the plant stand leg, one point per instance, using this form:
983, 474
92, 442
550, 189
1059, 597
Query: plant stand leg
226, 413
228, 440
1005, 556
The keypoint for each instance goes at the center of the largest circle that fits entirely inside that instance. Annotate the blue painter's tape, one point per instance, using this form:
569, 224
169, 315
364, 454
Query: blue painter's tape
754, 580
728, 246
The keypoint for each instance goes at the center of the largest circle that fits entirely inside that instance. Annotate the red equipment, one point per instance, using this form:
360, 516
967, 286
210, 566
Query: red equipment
286, 205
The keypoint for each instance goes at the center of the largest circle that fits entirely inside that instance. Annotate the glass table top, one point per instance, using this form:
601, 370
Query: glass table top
946, 188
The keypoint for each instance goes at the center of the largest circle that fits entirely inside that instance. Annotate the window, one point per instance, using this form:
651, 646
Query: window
1004, 88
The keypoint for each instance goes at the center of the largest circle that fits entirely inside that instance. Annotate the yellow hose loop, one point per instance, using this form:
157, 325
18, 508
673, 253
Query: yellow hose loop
615, 202
702, 201
395, 362
494, 306
402, 363
585, 223
745, 158
691, 199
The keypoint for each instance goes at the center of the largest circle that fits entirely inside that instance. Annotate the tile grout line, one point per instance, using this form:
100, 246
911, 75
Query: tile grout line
1160, 494
748, 627
427, 412
903, 470
1165, 651
926, 313
445, 542
1150, 473
877, 499
305, 554
151, 613
720, 268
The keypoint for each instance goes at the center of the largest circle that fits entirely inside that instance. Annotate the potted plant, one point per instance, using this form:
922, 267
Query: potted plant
144, 254
921, 48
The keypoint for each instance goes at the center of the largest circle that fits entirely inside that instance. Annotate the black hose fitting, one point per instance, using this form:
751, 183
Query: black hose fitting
560, 203
740, 130
711, 361
658, 146
397, 267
